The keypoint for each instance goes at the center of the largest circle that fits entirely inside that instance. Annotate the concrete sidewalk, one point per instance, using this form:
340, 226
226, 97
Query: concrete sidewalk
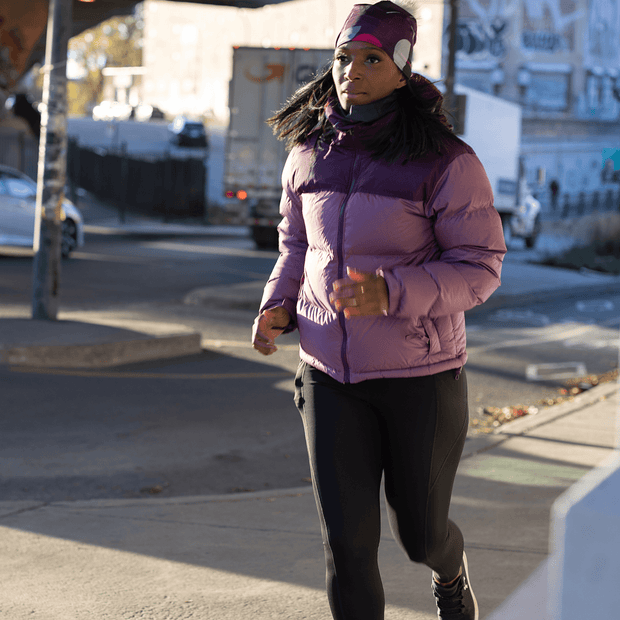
258, 556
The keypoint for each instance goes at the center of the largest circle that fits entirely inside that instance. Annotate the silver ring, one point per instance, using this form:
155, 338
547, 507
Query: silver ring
362, 289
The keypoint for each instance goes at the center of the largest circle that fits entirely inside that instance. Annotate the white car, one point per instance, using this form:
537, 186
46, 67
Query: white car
18, 195
111, 111
525, 222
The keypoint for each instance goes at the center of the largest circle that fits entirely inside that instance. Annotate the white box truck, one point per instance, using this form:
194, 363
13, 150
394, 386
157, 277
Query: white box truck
492, 127
262, 81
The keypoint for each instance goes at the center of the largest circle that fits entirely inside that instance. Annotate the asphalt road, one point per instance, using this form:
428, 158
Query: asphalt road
224, 421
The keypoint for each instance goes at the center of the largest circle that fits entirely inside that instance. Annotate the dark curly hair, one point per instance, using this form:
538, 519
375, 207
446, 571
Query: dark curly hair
419, 127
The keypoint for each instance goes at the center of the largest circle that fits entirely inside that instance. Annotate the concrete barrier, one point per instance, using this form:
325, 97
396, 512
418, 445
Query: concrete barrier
584, 567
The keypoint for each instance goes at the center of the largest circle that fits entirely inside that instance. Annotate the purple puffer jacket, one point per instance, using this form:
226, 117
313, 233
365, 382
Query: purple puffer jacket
428, 227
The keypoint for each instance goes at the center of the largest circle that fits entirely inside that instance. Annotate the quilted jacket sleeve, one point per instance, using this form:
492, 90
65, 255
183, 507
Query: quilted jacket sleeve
469, 234
282, 288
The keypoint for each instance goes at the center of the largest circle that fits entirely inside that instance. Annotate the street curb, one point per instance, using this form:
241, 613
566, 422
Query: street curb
104, 354
244, 296
550, 414
83, 344
522, 426
150, 229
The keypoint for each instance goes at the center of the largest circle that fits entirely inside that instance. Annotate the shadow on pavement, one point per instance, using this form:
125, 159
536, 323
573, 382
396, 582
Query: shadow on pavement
206, 424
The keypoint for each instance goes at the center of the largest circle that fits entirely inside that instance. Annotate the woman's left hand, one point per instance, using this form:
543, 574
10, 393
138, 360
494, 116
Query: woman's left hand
360, 294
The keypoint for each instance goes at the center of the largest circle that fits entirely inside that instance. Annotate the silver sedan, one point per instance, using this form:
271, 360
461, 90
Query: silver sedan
18, 194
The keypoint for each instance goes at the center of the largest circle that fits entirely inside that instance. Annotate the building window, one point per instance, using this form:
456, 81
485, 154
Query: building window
548, 91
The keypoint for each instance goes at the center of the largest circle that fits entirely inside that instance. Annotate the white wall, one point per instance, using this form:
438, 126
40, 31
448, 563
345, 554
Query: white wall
188, 47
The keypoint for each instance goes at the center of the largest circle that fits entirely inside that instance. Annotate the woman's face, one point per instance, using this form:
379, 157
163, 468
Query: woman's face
364, 73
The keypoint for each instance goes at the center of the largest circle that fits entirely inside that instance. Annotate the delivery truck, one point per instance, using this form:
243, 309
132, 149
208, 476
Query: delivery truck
262, 81
492, 127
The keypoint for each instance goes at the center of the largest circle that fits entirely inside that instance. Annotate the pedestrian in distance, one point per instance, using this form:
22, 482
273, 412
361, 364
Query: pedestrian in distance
554, 188
388, 235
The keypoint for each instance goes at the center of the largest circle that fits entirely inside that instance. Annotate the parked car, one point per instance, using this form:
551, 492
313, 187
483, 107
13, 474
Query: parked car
112, 110
146, 112
186, 132
18, 194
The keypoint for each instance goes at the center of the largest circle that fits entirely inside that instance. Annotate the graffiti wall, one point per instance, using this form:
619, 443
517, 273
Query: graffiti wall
602, 43
484, 29
561, 55
549, 26
488, 28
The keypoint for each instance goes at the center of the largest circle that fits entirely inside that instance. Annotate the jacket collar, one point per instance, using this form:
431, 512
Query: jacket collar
362, 120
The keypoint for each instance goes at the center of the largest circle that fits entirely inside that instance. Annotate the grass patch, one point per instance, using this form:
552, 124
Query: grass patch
601, 256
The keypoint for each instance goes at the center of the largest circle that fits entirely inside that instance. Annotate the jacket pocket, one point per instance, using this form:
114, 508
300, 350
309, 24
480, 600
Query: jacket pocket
433, 337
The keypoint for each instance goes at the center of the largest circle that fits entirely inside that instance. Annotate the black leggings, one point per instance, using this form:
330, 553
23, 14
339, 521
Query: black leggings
410, 430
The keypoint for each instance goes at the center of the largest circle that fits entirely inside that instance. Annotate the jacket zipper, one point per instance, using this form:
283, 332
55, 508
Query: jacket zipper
341, 272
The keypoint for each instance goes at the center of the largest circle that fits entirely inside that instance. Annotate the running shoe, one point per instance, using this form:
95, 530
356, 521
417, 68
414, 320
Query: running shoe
456, 602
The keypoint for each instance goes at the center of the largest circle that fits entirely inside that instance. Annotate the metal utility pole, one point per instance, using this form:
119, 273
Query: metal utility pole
52, 169
451, 69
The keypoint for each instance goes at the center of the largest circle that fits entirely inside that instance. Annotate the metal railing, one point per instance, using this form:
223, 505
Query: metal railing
166, 187
583, 203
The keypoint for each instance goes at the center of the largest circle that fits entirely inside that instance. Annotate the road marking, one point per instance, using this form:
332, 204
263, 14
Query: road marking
565, 370
589, 320
521, 316
595, 305
557, 333
593, 344
106, 374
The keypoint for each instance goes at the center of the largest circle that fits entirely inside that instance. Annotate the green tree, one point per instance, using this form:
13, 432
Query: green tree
116, 42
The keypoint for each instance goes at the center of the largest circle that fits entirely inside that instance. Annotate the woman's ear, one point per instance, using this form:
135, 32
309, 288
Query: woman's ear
401, 82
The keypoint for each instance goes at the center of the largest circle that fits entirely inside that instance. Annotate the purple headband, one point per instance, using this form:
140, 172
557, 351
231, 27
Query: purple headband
385, 25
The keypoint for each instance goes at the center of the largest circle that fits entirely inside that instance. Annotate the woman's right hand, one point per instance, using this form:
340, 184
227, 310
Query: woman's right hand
267, 327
